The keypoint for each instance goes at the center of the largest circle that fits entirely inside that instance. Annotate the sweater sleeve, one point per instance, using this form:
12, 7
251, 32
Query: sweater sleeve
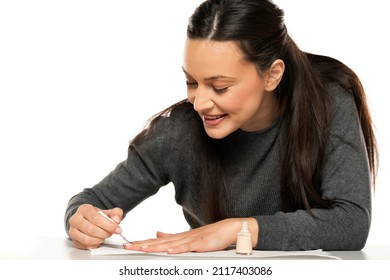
138, 177
346, 181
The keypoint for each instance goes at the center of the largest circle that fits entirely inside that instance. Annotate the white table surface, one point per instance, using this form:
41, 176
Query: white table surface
60, 248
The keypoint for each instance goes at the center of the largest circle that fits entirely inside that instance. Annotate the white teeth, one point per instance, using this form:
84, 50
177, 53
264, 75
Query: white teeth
213, 118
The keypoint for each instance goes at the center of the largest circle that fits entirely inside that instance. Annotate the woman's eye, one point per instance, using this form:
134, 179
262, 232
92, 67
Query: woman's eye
220, 90
192, 85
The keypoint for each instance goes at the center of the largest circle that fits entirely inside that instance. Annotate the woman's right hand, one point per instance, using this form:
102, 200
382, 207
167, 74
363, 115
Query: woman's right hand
88, 229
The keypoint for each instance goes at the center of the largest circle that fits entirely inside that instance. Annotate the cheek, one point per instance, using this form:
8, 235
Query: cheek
244, 99
254, 93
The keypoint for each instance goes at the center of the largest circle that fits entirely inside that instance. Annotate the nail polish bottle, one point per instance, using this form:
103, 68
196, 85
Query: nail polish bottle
244, 240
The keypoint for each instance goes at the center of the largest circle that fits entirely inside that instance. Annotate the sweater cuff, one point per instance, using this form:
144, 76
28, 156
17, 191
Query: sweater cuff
273, 233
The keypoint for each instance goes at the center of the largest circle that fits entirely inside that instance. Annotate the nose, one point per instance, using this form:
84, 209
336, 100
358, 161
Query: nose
202, 100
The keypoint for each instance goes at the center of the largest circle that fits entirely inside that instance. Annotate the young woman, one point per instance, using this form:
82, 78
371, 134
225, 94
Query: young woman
269, 134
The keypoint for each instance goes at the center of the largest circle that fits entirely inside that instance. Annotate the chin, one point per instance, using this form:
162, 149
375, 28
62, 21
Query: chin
217, 133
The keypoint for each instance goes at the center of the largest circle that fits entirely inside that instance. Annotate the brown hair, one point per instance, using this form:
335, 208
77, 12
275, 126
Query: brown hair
259, 30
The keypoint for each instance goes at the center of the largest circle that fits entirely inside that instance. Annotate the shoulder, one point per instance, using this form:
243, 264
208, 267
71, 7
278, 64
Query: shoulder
341, 98
177, 115
183, 118
343, 106
344, 118
182, 110
173, 122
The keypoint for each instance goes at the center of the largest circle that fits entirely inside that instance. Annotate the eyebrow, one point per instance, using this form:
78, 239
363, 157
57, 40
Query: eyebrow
213, 77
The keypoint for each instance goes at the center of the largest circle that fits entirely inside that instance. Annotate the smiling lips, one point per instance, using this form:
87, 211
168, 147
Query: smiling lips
213, 120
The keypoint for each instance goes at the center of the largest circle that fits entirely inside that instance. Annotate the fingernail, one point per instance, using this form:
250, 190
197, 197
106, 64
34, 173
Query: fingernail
117, 219
127, 245
118, 230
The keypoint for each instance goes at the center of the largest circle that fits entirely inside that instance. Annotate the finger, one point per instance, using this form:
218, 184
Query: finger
163, 244
83, 241
81, 246
99, 229
150, 245
103, 223
136, 245
196, 245
161, 238
86, 220
183, 248
160, 234
176, 247
115, 213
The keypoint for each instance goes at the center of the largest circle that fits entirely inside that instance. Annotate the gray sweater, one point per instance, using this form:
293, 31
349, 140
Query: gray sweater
253, 179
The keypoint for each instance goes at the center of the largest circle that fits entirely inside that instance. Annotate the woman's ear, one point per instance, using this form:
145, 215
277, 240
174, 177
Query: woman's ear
274, 75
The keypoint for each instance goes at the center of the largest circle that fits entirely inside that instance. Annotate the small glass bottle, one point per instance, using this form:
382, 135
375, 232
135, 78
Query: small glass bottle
244, 240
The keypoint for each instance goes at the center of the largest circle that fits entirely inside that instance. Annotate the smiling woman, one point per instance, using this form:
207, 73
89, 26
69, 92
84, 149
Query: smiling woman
269, 135
227, 91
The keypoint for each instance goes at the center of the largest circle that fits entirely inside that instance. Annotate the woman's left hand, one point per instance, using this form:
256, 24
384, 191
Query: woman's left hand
212, 237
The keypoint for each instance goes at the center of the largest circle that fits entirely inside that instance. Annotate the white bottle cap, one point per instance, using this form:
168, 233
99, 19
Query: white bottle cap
244, 226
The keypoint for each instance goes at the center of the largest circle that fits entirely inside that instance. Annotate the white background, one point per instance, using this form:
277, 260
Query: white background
78, 80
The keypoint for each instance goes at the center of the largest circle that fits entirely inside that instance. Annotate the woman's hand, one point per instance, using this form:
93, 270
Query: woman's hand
212, 237
88, 229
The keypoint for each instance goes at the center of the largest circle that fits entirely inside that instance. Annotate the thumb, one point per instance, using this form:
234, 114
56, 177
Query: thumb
116, 214
160, 234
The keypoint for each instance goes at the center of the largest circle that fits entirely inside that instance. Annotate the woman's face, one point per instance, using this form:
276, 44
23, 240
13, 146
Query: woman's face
227, 91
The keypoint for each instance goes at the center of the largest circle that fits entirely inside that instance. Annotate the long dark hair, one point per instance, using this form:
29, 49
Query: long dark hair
257, 26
